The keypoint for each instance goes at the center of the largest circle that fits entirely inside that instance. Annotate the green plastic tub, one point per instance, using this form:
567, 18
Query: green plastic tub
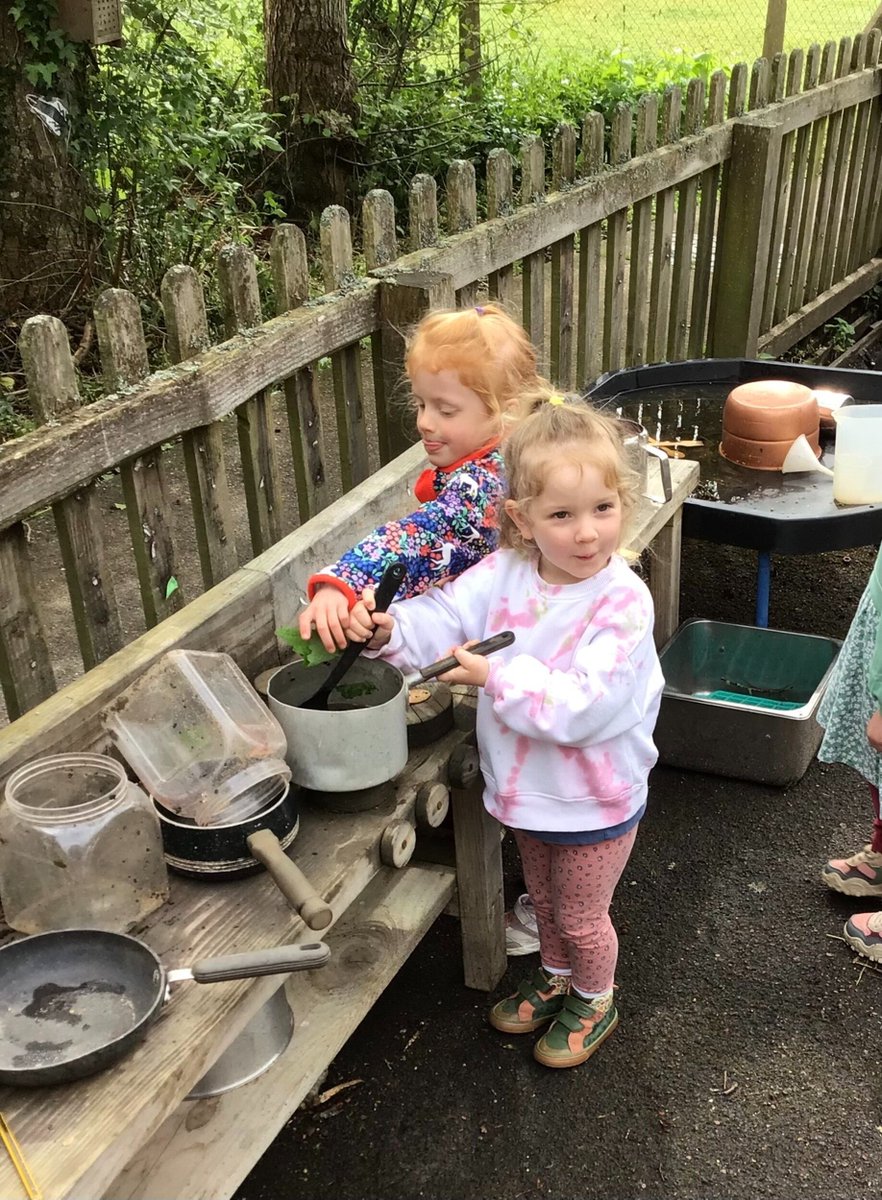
741, 701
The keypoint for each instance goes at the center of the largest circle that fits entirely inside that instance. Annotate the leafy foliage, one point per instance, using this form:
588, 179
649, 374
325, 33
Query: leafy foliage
310, 649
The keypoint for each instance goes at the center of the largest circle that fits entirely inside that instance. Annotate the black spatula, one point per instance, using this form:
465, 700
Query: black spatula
392, 579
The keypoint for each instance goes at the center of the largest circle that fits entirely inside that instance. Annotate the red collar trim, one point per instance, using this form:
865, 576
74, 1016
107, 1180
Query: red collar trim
425, 490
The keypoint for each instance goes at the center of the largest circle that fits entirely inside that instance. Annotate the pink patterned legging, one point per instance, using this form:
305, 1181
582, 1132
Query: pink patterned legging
572, 888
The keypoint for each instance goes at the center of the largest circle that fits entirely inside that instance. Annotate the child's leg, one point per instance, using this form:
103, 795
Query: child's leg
583, 881
536, 862
861, 874
876, 843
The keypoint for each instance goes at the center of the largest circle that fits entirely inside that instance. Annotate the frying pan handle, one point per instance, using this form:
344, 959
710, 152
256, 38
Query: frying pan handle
278, 960
497, 642
290, 880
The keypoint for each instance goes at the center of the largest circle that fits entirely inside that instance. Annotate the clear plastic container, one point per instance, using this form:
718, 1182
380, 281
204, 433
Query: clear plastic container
80, 846
200, 739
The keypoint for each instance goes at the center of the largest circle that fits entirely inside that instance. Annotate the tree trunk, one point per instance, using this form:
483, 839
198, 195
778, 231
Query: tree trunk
309, 75
44, 239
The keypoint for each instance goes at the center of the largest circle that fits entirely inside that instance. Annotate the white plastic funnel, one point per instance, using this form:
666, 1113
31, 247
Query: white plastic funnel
801, 457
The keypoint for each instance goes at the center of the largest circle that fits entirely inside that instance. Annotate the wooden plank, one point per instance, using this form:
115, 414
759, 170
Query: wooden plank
255, 423
646, 140
52, 391
48, 464
807, 242
124, 361
589, 330
462, 214
782, 202
563, 173
662, 251
687, 199
206, 1147
664, 578
380, 246
184, 306
779, 77
773, 32
709, 184
309, 443
796, 202
760, 84
820, 271
500, 202
423, 212
820, 309
849, 223
337, 270
736, 103
743, 240
833, 247
479, 887
867, 206
533, 274
614, 312
26, 674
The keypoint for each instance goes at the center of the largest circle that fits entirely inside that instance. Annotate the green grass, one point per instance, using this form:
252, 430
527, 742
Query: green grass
728, 31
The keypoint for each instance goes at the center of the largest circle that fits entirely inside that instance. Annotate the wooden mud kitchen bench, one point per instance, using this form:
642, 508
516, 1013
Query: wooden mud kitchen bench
130, 1132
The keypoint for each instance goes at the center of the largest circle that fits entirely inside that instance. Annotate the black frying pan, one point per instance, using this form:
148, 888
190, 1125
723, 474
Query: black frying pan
74, 1001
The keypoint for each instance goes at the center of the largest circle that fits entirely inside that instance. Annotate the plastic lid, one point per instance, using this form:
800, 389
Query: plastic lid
237, 797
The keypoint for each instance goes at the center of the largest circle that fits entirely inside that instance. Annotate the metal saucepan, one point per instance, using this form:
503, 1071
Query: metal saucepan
360, 740
639, 452
241, 848
74, 1001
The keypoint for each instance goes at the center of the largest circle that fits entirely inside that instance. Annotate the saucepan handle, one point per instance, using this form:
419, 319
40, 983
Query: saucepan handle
278, 960
665, 467
290, 880
496, 642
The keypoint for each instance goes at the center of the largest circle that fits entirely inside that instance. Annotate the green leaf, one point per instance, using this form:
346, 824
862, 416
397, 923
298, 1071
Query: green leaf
310, 649
171, 587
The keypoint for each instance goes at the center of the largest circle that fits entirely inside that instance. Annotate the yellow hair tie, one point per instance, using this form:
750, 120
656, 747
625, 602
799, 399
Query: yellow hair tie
557, 398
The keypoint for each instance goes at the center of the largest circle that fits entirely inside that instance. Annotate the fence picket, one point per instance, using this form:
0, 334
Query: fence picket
825, 235
760, 84
641, 240
779, 77
500, 202
707, 221
687, 199
660, 285
798, 181
871, 180
26, 675
614, 320
809, 230
849, 220
184, 306
782, 202
380, 244
124, 361
563, 171
589, 332
533, 279
462, 214
423, 212
52, 391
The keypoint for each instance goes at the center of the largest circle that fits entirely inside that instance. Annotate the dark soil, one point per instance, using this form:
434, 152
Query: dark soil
746, 1063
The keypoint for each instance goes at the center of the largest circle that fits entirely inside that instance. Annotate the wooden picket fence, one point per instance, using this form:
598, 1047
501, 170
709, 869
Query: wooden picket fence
729, 224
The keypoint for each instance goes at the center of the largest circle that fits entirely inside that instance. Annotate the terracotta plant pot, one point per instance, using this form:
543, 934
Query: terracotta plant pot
762, 420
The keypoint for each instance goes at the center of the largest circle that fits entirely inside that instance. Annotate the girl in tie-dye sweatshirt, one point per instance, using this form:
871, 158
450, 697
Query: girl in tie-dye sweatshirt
566, 714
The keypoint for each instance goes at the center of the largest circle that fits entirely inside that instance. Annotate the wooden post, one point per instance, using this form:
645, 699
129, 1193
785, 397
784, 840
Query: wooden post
500, 202
533, 278
743, 240
470, 63
589, 332
423, 212
875, 22
563, 173
26, 675
776, 20
404, 300
462, 214
615, 315
380, 243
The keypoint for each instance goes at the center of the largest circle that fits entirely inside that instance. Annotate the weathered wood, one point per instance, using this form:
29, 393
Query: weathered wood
204, 458
52, 391
782, 200
662, 252
664, 579
423, 212
479, 888
563, 173
500, 202
26, 675
822, 253
338, 273
760, 84
815, 312
779, 77
404, 301
836, 233
707, 227
589, 331
646, 139
255, 423
743, 240
849, 223
796, 204
687, 199
867, 201
309, 444
533, 277
124, 361
380, 245
809, 231
615, 321
462, 214
773, 33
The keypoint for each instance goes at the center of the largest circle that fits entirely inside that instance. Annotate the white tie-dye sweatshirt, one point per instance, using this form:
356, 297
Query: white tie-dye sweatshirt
566, 717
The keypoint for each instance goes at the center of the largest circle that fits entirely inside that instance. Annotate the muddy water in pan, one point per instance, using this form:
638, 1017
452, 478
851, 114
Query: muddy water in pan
54, 1021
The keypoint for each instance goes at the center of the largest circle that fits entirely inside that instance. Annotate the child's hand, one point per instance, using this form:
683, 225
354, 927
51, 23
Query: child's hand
328, 611
874, 731
473, 668
368, 625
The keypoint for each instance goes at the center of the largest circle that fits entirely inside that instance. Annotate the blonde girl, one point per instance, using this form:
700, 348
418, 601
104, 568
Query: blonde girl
466, 368
565, 715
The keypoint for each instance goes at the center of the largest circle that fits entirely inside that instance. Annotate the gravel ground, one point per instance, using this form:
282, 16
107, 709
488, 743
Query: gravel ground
745, 1064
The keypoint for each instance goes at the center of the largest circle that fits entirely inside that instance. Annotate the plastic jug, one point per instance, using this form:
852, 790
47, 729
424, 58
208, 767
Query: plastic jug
857, 467
199, 738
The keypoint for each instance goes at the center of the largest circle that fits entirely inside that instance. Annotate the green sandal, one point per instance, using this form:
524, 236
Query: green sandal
537, 1001
579, 1029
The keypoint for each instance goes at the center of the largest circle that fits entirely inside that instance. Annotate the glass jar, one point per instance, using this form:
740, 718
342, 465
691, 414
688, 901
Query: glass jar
80, 846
